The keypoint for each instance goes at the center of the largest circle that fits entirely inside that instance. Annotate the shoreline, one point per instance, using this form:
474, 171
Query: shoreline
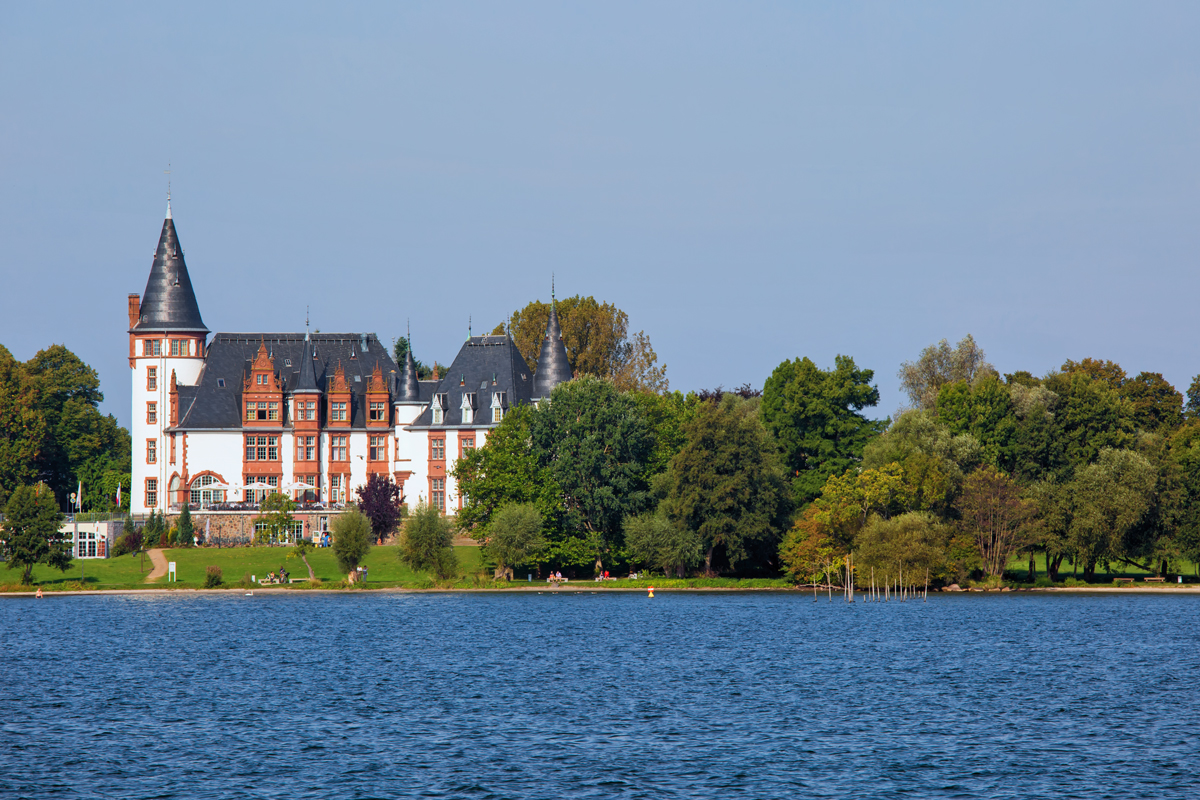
582, 589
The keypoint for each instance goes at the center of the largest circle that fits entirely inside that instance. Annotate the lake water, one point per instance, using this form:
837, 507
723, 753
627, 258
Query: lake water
599, 695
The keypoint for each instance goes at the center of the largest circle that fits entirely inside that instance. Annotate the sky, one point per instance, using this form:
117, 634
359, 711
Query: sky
750, 182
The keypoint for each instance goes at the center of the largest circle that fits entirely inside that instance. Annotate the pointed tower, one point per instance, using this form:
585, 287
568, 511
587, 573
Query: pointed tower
553, 367
409, 389
166, 337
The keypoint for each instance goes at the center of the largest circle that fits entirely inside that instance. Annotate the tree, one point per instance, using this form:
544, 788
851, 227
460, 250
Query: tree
427, 543
300, 551
31, 531
379, 499
904, 549
597, 339
938, 364
594, 443
351, 532
1157, 405
506, 470
814, 416
665, 415
1109, 497
653, 540
727, 484
276, 514
400, 350
808, 552
994, 513
514, 536
1192, 409
22, 426
185, 536
1091, 415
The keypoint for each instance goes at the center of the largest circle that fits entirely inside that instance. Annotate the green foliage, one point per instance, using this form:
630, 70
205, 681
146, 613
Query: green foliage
652, 540
1157, 405
594, 443
504, 471
400, 350
514, 536
814, 417
351, 531
184, 534
727, 484
212, 577
1091, 414
938, 365
665, 416
807, 552
1107, 499
426, 544
276, 511
994, 513
31, 531
904, 549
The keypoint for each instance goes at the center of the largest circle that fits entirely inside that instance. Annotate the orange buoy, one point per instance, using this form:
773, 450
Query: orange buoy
651, 592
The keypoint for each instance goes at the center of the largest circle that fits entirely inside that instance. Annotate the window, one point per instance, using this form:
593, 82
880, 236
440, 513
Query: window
262, 448
307, 495
151, 347
437, 449
202, 496
151, 492
337, 412
337, 489
378, 450
151, 451
152, 379
437, 415
497, 414
310, 409
306, 448
467, 446
378, 411
272, 410
437, 493
175, 347
338, 449
273, 482
151, 413
260, 380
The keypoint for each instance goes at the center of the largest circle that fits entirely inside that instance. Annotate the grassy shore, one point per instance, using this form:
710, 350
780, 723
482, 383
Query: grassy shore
385, 571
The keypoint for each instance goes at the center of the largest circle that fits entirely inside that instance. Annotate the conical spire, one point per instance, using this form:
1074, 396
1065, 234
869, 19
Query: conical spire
409, 389
553, 367
169, 304
308, 371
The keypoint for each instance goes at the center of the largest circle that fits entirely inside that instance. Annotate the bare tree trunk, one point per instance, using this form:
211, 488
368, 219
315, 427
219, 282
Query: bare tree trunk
708, 573
312, 576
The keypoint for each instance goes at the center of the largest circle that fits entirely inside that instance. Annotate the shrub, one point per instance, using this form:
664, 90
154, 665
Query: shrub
121, 546
1043, 582
212, 578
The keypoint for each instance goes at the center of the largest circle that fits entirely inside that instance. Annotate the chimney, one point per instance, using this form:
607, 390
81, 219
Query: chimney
135, 309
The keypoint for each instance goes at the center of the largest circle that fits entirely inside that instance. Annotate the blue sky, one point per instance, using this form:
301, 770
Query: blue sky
750, 182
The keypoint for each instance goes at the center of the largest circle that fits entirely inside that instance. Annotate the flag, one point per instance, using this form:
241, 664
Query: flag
79, 498
118, 497
206, 521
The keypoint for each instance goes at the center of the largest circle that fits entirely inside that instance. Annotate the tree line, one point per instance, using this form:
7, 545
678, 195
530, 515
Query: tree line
52, 432
1084, 467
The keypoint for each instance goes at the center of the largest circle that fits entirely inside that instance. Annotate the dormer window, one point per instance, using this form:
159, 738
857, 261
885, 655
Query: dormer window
498, 403
468, 411
437, 414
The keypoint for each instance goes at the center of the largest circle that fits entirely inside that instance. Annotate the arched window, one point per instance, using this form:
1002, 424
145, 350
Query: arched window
202, 496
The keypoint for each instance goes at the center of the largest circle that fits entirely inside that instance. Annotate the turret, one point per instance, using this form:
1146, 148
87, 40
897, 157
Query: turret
553, 367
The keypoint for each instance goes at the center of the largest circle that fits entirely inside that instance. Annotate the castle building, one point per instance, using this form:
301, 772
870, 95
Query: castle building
220, 422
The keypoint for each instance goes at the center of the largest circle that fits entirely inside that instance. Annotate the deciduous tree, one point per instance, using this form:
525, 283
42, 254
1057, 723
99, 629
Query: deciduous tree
379, 499
426, 544
995, 514
276, 512
727, 483
351, 531
31, 531
815, 416
514, 537
938, 365
654, 541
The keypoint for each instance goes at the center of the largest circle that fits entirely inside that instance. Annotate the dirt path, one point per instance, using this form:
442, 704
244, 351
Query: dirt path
160, 565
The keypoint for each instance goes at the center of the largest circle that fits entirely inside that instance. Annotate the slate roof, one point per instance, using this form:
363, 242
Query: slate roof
484, 365
553, 367
169, 304
409, 389
210, 406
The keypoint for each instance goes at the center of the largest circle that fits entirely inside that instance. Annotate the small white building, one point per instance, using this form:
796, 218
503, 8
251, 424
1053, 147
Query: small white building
91, 539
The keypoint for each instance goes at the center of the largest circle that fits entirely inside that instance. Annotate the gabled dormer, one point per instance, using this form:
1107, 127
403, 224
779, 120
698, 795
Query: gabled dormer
439, 406
468, 408
262, 392
340, 400
499, 406
378, 399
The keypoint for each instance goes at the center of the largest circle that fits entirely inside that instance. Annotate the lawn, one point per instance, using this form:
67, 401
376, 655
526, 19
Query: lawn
127, 572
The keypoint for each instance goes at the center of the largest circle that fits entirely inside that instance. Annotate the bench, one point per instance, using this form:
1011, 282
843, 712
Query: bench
1155, 580
1119, 581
